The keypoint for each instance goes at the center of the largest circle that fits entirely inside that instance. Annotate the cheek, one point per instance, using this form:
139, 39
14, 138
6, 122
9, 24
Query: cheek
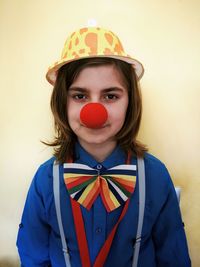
118, 113
72, 110
122, 115
71, 114
117, 117
124, 107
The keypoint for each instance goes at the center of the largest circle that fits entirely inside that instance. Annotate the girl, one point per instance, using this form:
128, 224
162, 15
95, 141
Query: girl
102, 200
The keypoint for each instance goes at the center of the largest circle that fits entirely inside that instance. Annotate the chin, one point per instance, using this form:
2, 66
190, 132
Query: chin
97, 140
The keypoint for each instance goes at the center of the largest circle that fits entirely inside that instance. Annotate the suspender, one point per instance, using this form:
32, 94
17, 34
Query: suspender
56, 191
141, 182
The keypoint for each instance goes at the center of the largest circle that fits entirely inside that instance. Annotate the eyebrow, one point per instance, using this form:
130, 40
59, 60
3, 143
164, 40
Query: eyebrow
106, 90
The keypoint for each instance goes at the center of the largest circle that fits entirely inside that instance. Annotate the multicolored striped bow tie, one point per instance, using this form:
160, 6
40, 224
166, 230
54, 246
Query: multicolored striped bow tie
114, 185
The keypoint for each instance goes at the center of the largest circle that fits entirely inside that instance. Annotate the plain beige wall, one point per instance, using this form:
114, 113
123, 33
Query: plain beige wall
164, 35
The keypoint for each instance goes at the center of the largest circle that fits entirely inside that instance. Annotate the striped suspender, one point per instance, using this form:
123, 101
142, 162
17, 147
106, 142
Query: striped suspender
56, 191
141, 181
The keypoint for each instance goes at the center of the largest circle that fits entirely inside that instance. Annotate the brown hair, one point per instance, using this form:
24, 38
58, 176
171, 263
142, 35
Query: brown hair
65, 138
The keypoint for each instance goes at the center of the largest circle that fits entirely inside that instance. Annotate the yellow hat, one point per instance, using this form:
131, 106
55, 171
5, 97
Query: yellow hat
92, 42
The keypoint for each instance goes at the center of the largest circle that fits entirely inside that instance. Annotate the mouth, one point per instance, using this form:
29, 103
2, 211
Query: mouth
99, 128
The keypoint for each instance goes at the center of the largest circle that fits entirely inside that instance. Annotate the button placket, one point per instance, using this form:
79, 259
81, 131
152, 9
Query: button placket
98, 168
99, 225
98, 230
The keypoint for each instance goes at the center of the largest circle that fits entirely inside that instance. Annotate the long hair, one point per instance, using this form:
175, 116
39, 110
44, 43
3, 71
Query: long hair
65, 138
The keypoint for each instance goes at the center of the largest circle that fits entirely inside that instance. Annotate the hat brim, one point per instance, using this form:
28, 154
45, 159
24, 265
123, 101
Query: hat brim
52, 71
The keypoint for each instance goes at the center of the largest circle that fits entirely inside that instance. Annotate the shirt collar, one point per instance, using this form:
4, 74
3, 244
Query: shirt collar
117, 157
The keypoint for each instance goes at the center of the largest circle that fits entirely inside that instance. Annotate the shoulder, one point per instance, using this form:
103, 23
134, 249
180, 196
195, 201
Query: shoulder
152, 160
159, 185
46, 166
154, 164
156, 171
42, 180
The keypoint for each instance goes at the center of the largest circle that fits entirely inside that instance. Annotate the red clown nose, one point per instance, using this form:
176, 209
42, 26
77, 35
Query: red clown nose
93, 115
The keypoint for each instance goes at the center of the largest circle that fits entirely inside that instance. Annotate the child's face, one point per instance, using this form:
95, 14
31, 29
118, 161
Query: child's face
101, 84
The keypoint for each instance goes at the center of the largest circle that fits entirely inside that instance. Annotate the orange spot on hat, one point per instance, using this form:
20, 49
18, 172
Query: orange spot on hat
91, 42
83, 30
77, 41
109, 38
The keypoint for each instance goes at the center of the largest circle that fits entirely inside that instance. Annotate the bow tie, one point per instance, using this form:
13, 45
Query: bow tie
114, 185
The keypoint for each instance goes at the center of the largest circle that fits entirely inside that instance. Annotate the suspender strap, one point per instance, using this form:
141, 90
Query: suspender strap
80, 234
56, 191
141, 181
82, 241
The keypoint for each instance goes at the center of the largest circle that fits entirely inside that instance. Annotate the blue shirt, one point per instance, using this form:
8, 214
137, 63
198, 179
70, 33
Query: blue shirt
163, 238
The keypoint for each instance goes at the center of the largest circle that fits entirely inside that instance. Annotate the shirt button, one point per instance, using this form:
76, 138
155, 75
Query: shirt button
21, 225
99, 166
98, 230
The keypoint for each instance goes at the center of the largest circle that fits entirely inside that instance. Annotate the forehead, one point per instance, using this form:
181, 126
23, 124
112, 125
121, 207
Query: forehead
105, 75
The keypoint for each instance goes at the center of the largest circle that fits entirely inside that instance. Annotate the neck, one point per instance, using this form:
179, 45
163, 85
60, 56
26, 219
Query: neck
99, 151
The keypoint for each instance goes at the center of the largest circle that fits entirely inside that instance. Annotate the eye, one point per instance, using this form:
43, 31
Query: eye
79, 96
111, 97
